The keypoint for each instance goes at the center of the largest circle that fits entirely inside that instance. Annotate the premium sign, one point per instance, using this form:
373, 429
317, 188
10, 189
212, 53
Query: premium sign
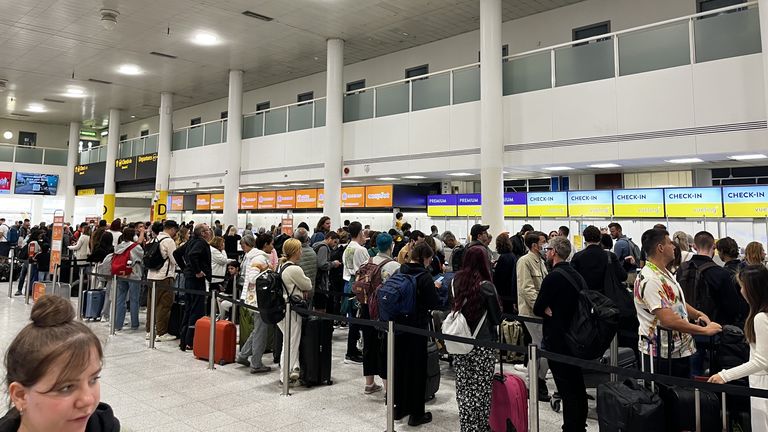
217, 202
266, 200
469, 205
286, 199
638, 203
249, 200
547, 204
441, 205
746, 201
177, 202
694, 202
203, 202
590, 203
353, 197
515, 204
378, 196
306, 198
89, 174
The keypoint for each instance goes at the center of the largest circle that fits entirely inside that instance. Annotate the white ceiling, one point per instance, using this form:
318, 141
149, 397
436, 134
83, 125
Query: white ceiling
43, 43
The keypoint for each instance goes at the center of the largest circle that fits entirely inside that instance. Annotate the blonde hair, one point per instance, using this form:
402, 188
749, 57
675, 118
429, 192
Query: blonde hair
753, 253
290, 248
681, 239
217, 242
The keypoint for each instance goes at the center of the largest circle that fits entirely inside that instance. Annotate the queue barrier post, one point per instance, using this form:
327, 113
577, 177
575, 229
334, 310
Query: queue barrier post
697, 407
533, 384
391, 377
72, 264
10, 273
112, 305
212, 333
285, 358
80, 279
29, 283
614, 356
233, 309
152, 314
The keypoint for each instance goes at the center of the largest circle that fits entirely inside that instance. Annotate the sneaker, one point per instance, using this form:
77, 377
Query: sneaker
165, 338
373, 388
18, 293
146, 337
520, 368
418, 421
294, 375
358, 360
243, 361
259, 370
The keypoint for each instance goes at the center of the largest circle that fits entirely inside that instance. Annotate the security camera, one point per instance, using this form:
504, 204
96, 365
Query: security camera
109, 18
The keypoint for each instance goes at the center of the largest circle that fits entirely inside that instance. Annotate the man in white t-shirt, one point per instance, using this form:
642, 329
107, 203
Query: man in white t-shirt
355, 255
659, 301
5, 247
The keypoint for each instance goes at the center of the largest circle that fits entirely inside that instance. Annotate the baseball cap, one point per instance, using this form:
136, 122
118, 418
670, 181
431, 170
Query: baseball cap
478, 229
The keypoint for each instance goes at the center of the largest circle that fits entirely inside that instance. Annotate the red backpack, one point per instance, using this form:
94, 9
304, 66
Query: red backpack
367, 280
120, 265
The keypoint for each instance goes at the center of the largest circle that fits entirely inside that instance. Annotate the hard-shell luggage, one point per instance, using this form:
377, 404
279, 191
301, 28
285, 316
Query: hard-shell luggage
93, 302
509, 403
433, 370
315, 351
175, 319
592, 379
224, 343
627, 406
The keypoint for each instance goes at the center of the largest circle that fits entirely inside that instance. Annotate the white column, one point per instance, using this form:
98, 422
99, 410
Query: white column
334, 110
491, 135
234, 148
165, 136
702, 178
762, 6
72, 160
36, 216
113, 141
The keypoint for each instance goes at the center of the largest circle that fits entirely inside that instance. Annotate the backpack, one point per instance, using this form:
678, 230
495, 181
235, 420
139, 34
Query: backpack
396, 297
695, 288
153, 257
368, 279
268, 291
120, 266
278, 243
13, 235
616, 291
594, 323
457, 256
455, 324
634, 251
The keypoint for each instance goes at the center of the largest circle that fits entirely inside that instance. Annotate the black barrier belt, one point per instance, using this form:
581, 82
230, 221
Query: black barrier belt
523, 318
363, 322
148, 281
436, 335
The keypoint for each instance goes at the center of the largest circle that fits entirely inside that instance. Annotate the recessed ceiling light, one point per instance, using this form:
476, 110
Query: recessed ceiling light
7, 134
36, 108
685, 161
387, 178
414, 177
319, 183
205, 39
350, 181
748, 157
129, 69
605, 165
75, 92
460, 174
297, 184
278, 185
133, 116
405, 34
104, 133
558, 168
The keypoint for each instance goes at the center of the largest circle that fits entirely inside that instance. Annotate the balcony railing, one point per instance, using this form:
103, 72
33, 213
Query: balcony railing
203, 134
93, 155
285, 118
138, 146
32, 155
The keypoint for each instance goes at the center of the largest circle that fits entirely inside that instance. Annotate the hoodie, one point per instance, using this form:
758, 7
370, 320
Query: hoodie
137, 256
250, 273
102, 420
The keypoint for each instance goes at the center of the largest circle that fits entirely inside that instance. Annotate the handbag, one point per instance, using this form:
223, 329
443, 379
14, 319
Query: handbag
456, 325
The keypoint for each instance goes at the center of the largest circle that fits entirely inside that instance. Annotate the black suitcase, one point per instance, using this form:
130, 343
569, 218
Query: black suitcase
315, 351
629, 407
433, 370
174, 321
593, 379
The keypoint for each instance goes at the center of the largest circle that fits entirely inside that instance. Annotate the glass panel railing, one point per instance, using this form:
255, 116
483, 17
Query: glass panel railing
29, 155
55, 157
253, 126
6, 153
583, 63
729, 34
101, 153
466, 85
195, 137
82, 158
392, 99
150, 144
179, 140
432, 92
320, 113
358, 106
529, 73
655, 48
126, 149
224, 131
275, 121
300, 117
212, 133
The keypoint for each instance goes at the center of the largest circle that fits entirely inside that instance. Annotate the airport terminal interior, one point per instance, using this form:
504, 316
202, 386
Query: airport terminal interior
468, 122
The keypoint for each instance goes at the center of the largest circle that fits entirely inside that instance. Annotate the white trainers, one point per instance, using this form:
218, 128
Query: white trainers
521, 368
146, 337
166, 338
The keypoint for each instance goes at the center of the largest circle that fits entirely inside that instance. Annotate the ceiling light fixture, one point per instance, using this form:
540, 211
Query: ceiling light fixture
37, 108
748, 157
387, 178
129, 69
75, 92
160, 54
350, 181
685, 161
605, 165
133, 116
414, 177
251, 14
278, 185
558, 168
7, 134
297, 184
460, 174
205, 39
109, 18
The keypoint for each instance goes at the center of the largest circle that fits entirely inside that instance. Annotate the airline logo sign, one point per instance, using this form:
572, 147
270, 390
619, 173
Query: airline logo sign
267, 200
547, 204
249, 200
590, 204
378, 196
515, 204
441, 205
353, 197
286, 199
469, 205
638, 203
694, 202
217, 202
306, 198
203, 202
746, 201
177, 203
320, 198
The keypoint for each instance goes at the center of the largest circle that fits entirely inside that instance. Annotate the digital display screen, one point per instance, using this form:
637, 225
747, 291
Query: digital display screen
547, 204
638, 203
469, 205
694, 202
36, 184
590, 203
746, 201
441, 205
515, 204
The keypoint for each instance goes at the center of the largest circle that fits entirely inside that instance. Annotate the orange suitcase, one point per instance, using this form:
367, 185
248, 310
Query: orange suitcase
224, 343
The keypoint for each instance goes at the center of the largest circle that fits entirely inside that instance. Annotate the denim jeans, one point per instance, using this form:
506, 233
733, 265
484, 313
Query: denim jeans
130, 289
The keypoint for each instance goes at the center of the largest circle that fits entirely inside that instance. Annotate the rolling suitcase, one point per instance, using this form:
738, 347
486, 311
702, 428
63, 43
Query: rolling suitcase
592, 379
433, 370
93, 303
509, 403
175, 318
315, 351
224, 342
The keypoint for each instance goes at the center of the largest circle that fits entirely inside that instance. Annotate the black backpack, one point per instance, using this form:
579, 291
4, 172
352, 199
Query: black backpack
457, 256
594, 323
153, 256
269, 295
695, 288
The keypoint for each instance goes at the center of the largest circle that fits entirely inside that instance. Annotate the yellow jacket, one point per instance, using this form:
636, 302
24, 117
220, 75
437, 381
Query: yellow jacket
531, 270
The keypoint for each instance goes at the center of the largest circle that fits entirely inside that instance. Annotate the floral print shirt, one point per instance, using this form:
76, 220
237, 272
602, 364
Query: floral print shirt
656, 288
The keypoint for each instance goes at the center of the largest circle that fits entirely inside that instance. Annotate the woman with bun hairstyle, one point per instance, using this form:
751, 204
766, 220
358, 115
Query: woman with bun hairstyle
52, 378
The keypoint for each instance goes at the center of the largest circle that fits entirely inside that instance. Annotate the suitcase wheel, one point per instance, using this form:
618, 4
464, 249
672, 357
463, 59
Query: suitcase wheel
555, 404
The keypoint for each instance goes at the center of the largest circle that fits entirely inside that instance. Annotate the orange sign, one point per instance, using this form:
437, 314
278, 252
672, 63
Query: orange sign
353, 197
38, 290
56, 242
203, 202
306, 198
177, 203
249, 200
267, 200
378, 196
286, 199
217, 202
320, 198
286, 226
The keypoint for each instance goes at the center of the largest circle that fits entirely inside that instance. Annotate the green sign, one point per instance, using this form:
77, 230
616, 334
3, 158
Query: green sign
88, 133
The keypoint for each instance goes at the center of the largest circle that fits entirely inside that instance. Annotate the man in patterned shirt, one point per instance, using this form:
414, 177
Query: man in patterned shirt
660, 302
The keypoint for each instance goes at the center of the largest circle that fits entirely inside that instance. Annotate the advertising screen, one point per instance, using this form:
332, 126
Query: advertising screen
353, 197
286, 199
249, 200
746, 201
177, 202
638, 203
590, 203
469, 204
217, 202
441, 205
547, 204
266, 200
378, 196
36, 184
306, 198
693, 202
203, 202
5, 182
515, 204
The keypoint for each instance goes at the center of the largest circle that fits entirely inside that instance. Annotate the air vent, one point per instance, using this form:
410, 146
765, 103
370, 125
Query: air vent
20, 115
159, 54
54, 100
99, 81
251, 14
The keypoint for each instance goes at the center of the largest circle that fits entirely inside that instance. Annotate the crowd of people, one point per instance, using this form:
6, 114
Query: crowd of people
673, 282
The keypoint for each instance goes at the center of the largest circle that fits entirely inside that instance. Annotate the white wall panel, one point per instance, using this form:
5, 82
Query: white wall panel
390, 135
429, 130
658, 100
464, 126
528, 117
584, 110
729, 90
358, 139
726, 144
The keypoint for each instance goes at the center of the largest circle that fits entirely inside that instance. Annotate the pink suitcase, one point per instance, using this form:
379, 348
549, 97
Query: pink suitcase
509, 404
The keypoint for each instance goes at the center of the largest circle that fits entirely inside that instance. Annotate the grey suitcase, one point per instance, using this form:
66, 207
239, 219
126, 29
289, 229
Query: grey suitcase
93, 303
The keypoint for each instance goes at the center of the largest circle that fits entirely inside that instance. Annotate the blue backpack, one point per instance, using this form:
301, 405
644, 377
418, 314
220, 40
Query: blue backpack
13, 235
397, 296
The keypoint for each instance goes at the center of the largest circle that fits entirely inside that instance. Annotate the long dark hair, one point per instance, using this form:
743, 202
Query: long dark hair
754, 280
320, 223
475, 269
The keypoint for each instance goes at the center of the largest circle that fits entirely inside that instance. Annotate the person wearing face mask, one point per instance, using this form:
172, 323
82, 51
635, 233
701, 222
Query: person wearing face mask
531, 271
52, 374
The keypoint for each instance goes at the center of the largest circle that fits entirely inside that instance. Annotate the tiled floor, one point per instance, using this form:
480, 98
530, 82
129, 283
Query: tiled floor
167, 390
